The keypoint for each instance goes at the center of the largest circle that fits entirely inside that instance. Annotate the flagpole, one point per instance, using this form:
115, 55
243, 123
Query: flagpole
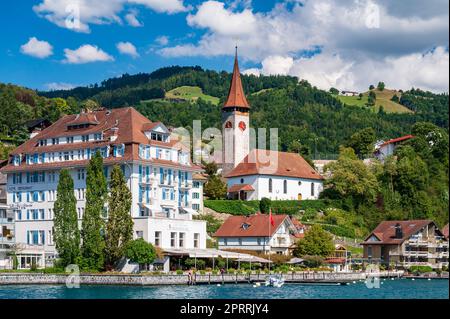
270, 214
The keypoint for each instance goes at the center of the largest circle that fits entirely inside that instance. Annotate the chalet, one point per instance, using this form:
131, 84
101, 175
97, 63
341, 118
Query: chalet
385, 149
256, 233
407, 243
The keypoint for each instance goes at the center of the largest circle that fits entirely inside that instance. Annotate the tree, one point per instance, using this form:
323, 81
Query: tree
351, 178
210, 168
360, 96
119, 227
380, 86
362, 142
212, 223
215, 188
395, 98
371, 99
334, 91
317, 242
371, 87
66, 232
92, 227
264, 205
141, 252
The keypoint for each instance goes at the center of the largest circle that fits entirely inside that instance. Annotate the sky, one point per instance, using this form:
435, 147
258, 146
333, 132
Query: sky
347, 44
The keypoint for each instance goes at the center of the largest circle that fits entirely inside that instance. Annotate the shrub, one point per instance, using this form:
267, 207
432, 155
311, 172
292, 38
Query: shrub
313, 261
179, 272
140, 251
264, 205
420, 269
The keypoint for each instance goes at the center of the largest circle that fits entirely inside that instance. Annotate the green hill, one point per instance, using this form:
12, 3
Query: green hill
190, 93
383, 99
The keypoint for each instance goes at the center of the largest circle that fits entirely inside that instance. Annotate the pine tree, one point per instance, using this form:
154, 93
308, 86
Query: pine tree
66, 232
119, 228
92, 227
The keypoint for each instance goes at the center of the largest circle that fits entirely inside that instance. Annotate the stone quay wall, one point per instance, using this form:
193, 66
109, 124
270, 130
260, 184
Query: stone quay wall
184, 279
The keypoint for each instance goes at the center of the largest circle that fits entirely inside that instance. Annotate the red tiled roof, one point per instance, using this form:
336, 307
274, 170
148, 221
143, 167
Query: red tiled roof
398, 139
259, 226
445, 231
385, 231
130, 126
240, 187
262, 162
236, 95
84, 118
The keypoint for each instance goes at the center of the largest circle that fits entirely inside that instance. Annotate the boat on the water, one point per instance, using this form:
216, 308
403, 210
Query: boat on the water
275, 281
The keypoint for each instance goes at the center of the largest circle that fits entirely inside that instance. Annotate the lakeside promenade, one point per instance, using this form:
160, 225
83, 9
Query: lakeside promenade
185, 279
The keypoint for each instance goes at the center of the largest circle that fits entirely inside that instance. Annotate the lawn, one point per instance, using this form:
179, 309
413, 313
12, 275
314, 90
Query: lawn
190, 93
383, 98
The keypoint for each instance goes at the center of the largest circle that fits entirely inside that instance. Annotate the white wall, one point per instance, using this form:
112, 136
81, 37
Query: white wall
261, 185
236, 142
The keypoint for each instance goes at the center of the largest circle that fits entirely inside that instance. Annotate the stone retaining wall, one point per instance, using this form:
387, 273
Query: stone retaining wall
29, 279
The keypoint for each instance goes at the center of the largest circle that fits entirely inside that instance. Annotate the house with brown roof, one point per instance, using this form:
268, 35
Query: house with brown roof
407, 243
387, 148
256, 173
156, 165
255, 232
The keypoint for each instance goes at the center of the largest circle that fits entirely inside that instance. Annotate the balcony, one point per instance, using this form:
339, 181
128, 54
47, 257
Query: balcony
418, 242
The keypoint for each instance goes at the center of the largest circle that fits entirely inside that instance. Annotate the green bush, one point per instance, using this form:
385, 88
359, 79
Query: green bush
179, 272
420, 269
264, 205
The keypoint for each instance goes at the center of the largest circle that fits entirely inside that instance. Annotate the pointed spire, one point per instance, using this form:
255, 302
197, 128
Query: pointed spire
236, 96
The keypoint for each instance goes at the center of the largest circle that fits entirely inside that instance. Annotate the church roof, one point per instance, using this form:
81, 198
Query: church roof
236, 96
262, 162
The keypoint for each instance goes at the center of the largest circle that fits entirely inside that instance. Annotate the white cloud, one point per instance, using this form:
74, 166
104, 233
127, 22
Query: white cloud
86, 54
345, 37
127, 48
36, 48
132, 19
78, 15
213, 15
162, 40
168, 6
59, 86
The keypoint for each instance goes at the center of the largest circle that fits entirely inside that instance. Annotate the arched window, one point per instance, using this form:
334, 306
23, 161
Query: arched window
312, 189
270, 185
242, 181
285, 186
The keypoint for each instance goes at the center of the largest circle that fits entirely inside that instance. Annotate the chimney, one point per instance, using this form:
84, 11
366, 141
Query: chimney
35, 133
114, 135
398, 231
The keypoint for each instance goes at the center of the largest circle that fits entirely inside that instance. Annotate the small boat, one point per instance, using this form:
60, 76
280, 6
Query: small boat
275, 281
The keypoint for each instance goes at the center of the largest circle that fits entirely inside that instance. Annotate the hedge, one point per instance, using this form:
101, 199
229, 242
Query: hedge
290, 207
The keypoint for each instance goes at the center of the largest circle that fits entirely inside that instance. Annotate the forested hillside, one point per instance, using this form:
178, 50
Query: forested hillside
307, 118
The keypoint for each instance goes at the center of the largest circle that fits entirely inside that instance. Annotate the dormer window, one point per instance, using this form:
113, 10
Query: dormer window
85, 138
17, 159
69, 139
98, 136
55, 141
43, 142
245, 226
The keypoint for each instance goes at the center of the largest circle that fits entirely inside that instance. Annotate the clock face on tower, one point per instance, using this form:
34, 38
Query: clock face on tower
228, 125
242, 126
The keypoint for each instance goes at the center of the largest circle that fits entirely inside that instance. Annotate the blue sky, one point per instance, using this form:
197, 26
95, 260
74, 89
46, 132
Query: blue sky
348, 44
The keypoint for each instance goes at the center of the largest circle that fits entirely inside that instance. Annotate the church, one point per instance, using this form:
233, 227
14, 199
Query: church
252, 174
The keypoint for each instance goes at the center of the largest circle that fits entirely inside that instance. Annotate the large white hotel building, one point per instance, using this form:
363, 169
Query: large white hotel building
166, 186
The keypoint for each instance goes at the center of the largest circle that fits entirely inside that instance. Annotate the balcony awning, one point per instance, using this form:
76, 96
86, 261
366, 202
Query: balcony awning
240, 187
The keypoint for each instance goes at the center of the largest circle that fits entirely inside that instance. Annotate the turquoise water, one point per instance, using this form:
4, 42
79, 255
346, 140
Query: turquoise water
396, 289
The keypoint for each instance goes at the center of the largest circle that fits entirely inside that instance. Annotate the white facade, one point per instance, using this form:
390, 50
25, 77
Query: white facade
158, 172
278, 243
283, 188
162, 200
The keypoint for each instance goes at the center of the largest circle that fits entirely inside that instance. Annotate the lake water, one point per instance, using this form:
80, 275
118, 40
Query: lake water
389, 289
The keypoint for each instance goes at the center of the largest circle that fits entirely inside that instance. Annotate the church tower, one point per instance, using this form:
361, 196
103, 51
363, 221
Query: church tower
235, 123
